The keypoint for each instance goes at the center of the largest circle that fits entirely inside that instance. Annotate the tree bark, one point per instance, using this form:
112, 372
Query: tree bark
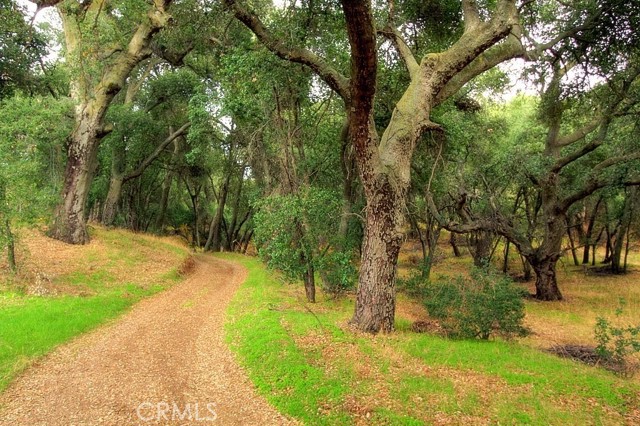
215, 230
11, 246
546, 280
70, 222
375, 306
93, 100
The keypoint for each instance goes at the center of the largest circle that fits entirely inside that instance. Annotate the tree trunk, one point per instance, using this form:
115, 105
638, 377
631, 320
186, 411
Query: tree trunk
93, 97
232, 235
505, 263
70, 217
626, 251
585, 254
546, 281
588, 235
480, 243
572, 246
215, 231
526, 268
11, 247
454, 245
167, 182
113, 198
623, 231
375, 301
310, 283
244, 242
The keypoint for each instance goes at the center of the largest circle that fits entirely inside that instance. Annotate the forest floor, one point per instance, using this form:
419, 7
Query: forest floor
164, 362
168, 357
310, 364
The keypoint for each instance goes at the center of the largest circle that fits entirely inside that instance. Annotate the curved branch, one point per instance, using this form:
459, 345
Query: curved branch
151, 158
579, 134
509, 49
394, 36
326, 72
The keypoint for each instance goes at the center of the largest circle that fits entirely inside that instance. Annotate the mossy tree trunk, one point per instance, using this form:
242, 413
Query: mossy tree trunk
93, 96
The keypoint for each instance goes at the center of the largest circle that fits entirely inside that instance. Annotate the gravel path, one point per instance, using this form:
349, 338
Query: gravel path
163, 363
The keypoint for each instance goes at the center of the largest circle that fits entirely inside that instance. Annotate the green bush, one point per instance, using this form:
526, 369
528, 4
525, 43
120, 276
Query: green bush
300, 230
486, 304
616, 342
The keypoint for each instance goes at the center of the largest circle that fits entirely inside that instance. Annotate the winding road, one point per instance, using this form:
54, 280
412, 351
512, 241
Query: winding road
163, 363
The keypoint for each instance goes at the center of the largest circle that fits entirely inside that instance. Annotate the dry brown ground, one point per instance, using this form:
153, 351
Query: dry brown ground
164, 357
45, 264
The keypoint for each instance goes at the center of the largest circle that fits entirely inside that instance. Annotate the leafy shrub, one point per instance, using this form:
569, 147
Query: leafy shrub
479, 307
338, 273
616, 342
299, 230
415, 285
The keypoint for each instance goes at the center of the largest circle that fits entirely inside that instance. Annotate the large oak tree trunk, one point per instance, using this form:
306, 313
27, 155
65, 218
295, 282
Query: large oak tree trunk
546, 279
546, 256
70, 218
375, 304
93, 95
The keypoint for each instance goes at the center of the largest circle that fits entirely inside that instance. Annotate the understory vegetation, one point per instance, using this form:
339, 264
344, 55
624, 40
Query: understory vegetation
307, 361
40, 310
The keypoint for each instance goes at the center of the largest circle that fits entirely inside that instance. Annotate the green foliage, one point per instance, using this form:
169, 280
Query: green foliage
31, 132
485, 305
615, 342
295, 230
21, 46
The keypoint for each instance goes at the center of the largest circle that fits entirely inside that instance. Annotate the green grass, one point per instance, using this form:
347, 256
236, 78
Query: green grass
31, 326
310, 366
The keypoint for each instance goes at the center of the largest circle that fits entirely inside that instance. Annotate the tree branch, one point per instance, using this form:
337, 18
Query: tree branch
496, 224
471, 14
612, 161
509, 49
394, 36
147, 161
326, 72
578, 134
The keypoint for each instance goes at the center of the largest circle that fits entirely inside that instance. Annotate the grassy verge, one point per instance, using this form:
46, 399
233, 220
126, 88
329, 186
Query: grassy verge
31, 326
309, 365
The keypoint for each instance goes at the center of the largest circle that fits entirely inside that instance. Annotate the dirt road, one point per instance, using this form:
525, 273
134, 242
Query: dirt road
165, 362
